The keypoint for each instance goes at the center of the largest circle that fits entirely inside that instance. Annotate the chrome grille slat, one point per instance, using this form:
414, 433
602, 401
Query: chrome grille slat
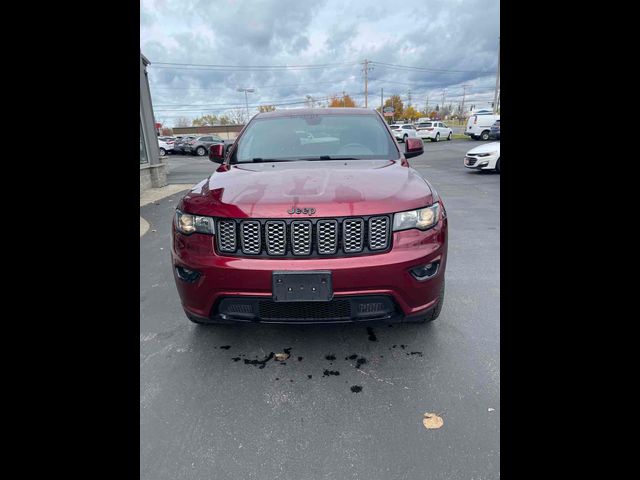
250, 237
227, 241
378, 233
327, 236
276, 237
352, 235
301, 237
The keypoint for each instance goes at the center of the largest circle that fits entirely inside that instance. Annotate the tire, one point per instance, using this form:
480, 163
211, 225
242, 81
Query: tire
437, 139
404, 139
201, 151
434, 312
449, 137
163, 152
498, 165
484, 135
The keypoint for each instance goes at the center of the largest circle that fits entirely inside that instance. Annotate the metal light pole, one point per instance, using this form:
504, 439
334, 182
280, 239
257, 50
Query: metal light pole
246, 99
495, 93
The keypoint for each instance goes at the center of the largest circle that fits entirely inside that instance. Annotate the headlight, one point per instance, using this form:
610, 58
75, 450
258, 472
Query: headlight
188, 224
486, 154
421, 219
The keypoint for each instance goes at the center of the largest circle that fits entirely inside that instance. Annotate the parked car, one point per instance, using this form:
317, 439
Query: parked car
292, 232
484, 157
479, 126
200, 145
495, 130
165, 145
434, 131
181, 142
402, 131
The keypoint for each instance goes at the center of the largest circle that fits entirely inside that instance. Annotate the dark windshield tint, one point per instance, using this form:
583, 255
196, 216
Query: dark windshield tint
312, 136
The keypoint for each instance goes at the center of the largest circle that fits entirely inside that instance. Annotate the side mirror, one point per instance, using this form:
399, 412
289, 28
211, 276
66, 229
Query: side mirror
414, 147
216, 153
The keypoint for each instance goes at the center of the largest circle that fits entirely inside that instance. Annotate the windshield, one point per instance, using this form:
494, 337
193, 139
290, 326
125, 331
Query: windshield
315, 137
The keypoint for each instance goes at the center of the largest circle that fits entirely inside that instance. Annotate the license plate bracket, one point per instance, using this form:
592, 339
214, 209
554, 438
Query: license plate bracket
308, 286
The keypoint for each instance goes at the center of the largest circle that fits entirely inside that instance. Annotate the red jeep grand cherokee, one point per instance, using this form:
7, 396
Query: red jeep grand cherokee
313, 216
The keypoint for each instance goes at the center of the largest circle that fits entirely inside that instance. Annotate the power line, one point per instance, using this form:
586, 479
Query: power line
428, 69
195, 66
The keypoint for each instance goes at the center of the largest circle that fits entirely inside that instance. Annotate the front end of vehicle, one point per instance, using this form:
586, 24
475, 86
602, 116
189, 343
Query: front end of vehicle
387, 266
482, 161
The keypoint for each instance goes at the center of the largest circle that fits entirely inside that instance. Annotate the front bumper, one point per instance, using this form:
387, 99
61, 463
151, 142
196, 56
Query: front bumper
481, 163
364, 277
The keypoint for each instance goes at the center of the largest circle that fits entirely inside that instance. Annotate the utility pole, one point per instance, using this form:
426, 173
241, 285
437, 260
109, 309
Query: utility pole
409, 98
495, 94
246, 100
366, 82
343, 98
426, 107
464, 92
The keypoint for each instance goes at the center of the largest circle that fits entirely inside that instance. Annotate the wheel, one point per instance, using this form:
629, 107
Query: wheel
434, 312
404, 139
163, 152
449, 137
200, 151
484, 135
437, 139
498, 166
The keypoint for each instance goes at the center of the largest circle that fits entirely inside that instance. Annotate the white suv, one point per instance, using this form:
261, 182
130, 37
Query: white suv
434, 131
402, 131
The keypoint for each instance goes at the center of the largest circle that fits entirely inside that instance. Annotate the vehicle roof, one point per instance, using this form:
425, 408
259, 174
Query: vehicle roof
317, 111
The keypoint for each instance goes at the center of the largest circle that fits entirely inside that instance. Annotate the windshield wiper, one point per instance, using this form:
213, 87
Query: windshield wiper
260, 160
328, 157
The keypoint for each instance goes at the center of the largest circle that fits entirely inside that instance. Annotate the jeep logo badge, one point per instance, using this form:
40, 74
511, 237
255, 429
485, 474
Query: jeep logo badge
306, 211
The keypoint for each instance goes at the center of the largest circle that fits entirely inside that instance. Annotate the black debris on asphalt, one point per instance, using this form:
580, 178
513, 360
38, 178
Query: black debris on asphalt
327, 373
309, 376
356, 388
372, 335
236, 359
225, 347
330, 357
351, 357
360, 361
262, 363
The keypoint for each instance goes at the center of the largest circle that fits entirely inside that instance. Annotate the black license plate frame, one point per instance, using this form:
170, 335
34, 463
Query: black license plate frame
302, 286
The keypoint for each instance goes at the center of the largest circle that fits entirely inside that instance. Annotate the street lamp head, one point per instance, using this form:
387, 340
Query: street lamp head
251, 90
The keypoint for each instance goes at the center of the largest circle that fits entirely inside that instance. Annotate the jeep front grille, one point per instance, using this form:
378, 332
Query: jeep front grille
304, 238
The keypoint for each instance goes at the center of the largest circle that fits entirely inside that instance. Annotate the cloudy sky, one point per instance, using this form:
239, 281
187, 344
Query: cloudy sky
201, 52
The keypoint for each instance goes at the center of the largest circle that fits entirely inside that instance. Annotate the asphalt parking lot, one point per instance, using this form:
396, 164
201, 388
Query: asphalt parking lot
210, 410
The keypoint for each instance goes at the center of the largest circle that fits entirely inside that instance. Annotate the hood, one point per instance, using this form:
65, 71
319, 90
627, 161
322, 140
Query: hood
486, 148
333, 188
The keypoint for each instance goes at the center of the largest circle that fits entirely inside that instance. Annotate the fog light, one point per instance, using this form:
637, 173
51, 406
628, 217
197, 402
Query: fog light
483, 164
425, 272
187, 275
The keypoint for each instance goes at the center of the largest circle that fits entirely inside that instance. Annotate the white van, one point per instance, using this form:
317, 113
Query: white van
479, 126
